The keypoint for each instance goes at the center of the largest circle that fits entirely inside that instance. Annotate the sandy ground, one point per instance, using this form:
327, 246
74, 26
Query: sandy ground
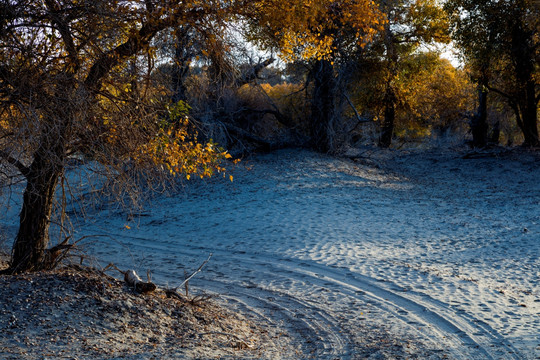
397, 254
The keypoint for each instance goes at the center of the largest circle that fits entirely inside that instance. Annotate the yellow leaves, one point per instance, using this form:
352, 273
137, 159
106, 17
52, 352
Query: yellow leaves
175, 149
433, 94
309, 29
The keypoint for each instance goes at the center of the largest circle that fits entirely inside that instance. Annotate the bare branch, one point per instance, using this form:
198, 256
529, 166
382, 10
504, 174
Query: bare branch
23, 169
6, 135
130, 47
358, 117
65, 32
254, 72
194, 273
500, 92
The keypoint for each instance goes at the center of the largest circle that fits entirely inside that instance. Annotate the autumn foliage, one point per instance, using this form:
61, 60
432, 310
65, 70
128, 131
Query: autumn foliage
82, 81
308, 29
434, 96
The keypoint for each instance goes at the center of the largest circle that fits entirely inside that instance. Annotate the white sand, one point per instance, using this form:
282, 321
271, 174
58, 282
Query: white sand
439, 251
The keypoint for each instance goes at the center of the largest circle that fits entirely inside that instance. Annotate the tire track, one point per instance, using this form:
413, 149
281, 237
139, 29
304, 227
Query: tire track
336, 212
473, 338
320, 333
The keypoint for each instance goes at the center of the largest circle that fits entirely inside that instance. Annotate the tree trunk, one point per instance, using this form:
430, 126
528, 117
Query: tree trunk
29, 249
495, 133
524, 56
390, 98
530, 116
387, 126
322, 106
479, 127
182, 58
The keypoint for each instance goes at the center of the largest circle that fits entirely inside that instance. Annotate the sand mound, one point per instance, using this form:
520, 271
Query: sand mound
82, 313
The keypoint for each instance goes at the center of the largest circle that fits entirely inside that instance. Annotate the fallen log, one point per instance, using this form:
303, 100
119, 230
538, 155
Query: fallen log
132, 279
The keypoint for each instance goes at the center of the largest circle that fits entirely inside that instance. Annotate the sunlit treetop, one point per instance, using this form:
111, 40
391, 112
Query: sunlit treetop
312, 29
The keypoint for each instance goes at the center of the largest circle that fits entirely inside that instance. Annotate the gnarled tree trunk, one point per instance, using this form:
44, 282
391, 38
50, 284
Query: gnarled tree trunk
30, 247
32, 239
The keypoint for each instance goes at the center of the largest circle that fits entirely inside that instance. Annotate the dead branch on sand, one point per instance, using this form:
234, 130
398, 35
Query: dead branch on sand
132, 279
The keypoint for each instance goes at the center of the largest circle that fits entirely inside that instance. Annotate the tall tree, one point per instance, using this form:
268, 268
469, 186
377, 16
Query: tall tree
329, 32
434, 95
65, 91
411, 24
501, 37
431, 95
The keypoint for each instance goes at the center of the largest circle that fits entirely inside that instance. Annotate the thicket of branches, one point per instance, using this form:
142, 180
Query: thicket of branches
381, 82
